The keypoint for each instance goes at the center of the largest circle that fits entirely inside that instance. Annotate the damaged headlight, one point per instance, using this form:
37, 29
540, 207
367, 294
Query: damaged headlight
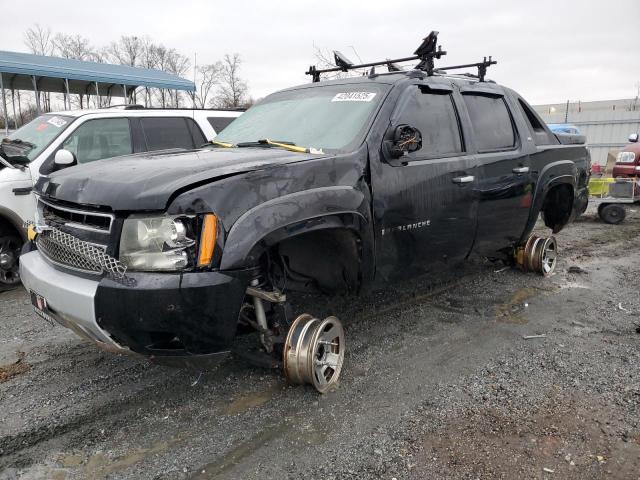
158, 243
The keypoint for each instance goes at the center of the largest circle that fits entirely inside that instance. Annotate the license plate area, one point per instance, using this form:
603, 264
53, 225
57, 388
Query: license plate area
41, 307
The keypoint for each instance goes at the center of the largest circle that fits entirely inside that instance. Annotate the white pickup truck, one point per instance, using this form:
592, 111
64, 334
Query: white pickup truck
57, 140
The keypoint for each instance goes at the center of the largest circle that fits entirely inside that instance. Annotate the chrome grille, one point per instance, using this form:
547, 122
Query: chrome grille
58, 215
71, 252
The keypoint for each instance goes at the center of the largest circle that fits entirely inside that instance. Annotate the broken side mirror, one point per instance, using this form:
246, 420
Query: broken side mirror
64, 158
405, 139
633, 138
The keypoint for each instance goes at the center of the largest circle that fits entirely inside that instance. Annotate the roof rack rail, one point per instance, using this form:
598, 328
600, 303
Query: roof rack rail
425, 53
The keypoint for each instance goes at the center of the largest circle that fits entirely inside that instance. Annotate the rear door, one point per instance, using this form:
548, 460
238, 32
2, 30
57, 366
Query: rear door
424, 205
504, 186
160, 133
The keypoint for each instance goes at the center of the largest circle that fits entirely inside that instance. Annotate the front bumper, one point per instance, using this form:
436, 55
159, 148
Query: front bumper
157, 315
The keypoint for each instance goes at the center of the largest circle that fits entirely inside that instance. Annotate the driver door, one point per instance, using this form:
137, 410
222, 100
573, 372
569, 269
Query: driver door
424, 202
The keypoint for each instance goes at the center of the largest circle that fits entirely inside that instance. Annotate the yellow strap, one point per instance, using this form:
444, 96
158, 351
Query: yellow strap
291, 148
31, 233
222, 144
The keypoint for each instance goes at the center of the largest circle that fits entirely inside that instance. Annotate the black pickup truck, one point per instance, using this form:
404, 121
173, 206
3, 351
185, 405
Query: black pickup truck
330, 187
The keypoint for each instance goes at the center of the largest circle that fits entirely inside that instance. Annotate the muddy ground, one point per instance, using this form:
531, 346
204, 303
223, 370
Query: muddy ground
438, 383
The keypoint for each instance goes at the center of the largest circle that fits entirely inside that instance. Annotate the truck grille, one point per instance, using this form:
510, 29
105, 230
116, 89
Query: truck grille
71, 252
57, 216
76, 238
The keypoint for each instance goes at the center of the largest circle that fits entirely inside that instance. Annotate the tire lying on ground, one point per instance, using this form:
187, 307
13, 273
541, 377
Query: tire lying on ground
612, 213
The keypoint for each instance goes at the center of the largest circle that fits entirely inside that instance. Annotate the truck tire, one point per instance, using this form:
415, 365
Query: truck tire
612, 213
10, 244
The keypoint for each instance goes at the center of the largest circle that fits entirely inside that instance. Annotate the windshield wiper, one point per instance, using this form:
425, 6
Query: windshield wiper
290, 146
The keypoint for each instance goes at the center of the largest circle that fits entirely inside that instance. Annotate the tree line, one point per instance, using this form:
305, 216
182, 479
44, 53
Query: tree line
218, 84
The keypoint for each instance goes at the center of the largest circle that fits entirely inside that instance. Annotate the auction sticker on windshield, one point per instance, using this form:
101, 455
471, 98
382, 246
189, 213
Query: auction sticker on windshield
57, 122
354, 97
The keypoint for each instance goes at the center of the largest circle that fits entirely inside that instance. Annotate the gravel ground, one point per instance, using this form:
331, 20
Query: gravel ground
438, 383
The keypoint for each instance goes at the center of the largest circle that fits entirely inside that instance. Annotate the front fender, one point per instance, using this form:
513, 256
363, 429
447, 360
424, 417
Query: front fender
291, 215
553, 174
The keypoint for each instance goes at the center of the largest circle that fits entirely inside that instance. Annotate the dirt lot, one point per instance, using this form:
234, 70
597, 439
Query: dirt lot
439, 383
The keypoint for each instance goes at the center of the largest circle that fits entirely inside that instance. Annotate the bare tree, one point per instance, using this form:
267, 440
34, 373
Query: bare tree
73, 46
38, 40
126, 51
207, 80
177, 64
233, 90
148, 59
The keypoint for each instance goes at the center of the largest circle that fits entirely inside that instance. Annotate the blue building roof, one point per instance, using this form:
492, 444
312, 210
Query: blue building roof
51, 72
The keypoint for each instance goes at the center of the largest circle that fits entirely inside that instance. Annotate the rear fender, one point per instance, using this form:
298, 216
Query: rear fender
563, 172
293, 214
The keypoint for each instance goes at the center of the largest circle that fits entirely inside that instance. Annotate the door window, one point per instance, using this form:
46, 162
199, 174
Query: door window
434, 114
491, 122
98, 139
167, 132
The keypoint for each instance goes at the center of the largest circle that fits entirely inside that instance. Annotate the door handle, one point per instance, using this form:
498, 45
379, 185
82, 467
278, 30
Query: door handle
465, 179
22, 191
520, 170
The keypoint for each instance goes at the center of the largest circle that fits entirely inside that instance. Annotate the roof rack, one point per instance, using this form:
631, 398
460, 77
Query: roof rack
425, 53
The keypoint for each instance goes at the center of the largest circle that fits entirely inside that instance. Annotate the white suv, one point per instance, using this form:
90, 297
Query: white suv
54, 140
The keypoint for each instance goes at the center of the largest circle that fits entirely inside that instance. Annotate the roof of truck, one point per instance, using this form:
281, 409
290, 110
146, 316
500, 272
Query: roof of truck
144, 111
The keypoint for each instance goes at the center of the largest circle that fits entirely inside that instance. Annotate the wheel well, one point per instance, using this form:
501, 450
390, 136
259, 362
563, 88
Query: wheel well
558, 206
7, 228
326, 261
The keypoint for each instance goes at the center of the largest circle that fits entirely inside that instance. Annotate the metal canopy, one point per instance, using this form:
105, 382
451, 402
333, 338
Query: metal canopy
19, 69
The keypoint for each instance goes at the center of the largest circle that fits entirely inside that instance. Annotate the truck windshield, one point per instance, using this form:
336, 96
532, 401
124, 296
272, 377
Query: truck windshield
331, 118
28, 141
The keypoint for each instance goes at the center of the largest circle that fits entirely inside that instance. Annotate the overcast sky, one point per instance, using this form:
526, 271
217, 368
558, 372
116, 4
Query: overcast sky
549, 51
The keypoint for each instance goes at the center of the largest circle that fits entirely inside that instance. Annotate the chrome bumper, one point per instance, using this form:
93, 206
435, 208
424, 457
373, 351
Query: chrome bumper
70, 299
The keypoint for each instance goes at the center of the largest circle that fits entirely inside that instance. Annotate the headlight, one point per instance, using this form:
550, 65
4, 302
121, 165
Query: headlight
159, 242
626, 157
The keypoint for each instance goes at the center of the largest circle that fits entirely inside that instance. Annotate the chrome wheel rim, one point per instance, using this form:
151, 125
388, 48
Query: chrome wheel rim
549, 256
314, 352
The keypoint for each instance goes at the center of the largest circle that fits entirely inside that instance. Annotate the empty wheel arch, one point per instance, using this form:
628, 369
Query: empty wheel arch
325, 261
558, 207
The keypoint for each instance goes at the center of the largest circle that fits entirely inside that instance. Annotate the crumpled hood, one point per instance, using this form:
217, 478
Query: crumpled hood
148, 181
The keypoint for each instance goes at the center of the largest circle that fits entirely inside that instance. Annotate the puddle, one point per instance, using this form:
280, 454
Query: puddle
514, 310
250, 400
100, 465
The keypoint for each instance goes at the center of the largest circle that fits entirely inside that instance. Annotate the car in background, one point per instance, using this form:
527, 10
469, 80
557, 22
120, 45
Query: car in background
565, 128
57, 140
628, 160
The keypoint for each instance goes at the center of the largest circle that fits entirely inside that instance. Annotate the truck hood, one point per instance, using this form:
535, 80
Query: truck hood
148, 181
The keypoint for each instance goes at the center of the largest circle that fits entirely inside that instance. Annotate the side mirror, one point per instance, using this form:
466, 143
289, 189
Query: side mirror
406, 139
64, 158
633, 138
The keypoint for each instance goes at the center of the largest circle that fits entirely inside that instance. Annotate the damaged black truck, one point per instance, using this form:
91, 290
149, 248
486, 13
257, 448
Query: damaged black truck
333, 187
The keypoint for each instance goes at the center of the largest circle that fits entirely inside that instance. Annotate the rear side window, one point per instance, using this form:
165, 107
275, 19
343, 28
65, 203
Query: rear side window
220, 123
166, 132
491, 122
538, 132
434, 115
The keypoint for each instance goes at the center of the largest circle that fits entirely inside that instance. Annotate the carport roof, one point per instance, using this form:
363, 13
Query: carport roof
17, 70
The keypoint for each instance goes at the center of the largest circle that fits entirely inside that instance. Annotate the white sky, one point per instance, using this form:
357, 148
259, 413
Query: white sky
549, 51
